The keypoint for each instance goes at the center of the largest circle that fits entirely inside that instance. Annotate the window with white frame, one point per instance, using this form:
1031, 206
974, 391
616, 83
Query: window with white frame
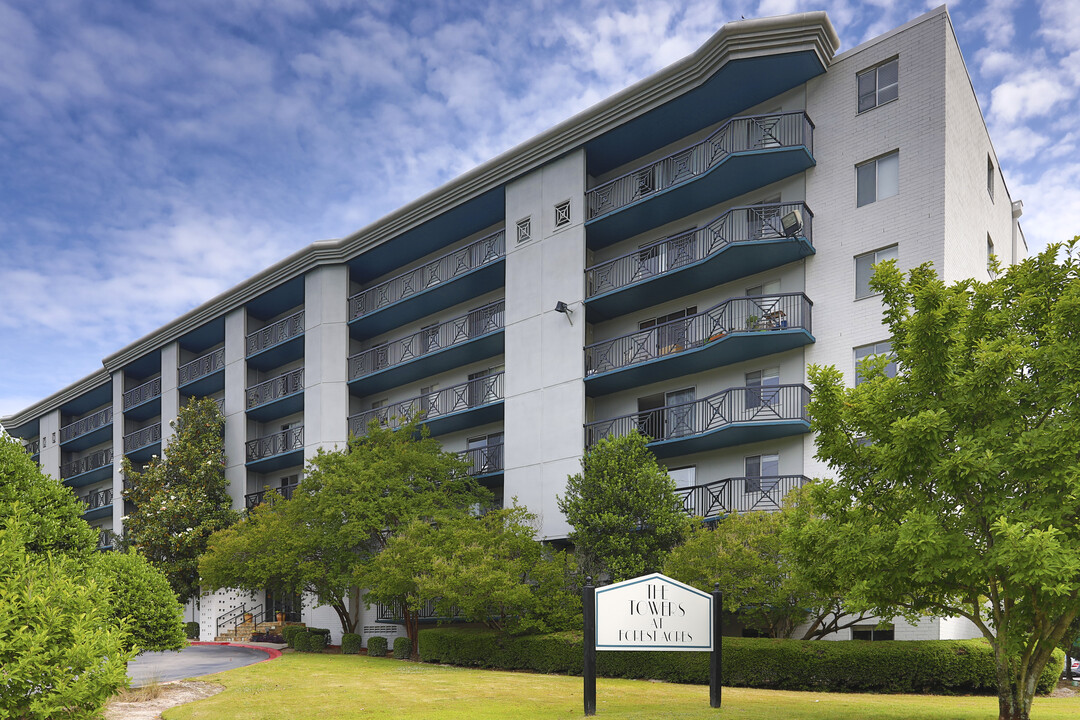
990, 257
756, 396
873, 349
886, 631
879, 85
877, 179
864, 269
761, 472
990, 176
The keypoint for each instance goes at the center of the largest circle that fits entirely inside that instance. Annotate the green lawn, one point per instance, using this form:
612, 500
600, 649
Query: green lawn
333, 687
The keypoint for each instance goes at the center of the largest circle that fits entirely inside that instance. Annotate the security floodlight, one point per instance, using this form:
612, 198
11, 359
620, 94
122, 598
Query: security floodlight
563, 308
791, 223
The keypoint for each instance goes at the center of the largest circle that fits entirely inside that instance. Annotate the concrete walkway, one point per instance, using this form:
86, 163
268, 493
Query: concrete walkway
196, 660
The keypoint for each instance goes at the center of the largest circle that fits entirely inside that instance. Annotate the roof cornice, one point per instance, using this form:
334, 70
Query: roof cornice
810, 31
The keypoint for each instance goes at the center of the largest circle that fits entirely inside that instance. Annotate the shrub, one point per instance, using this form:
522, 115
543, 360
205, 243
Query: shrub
320, 631
402, 648
191, 630
317, 641
927, 666
350, 644
289, 632
376, 646
301, 641
141, 595
267, 638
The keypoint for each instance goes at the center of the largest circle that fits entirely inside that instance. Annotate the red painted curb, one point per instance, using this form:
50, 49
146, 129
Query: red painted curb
272, 652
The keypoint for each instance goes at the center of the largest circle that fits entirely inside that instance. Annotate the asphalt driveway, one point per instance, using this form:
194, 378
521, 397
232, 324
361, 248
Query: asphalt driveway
192, 661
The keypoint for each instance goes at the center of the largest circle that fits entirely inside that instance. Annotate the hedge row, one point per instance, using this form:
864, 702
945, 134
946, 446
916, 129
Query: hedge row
921, 666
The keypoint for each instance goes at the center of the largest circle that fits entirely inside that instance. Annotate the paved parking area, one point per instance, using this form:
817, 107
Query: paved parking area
192, 661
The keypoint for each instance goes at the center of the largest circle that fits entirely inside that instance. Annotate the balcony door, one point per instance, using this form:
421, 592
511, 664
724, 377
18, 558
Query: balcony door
667, 415
759, 398
485, 453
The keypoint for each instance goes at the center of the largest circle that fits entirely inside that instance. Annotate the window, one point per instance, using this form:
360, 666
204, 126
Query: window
873, 632
990, 177
879, 85
762, 472
864, 269
669, 338
524, 230
562, 214
878, 179
755, 396
667, 415
684, 479
882, 348
990, 258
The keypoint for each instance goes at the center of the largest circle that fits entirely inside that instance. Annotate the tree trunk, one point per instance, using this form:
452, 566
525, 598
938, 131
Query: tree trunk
1012, 703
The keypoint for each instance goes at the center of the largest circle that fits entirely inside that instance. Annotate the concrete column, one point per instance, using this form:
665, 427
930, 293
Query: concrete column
326, 351
170, 395
49, 435
235, 405
545, 392
118, 450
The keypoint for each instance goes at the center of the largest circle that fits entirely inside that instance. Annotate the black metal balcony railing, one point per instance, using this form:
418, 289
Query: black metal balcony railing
142, 393
106, 539
97, 499
276, 444
87, 424
282, 386
735, 315
741, 494
93, 461
474, 393
743, 405
458, 262
201, 367
740, 134
484, 460
275, 333
457, 330
142, 438
252, 500
394, 613
750, 223
32, 447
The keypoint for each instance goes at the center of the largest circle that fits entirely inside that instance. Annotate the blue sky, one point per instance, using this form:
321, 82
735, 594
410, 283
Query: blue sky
155, 153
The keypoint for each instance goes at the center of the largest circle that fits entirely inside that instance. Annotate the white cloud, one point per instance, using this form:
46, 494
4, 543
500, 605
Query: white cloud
1032, 93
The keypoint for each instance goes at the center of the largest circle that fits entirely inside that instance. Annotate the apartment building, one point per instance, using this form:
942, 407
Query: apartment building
669, 261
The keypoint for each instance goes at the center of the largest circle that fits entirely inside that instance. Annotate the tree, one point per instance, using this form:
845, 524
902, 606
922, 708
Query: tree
181, 499
350, 503
61, 652
623, 509
140, 594
957, 489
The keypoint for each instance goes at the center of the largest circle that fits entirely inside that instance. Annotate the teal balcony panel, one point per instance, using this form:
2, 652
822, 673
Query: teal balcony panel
430, 363
272, 463
204, 375
97, 504
90, 476
277, 397
278, 343
714, 500
87, 432
276, 451
458, 407
143, 402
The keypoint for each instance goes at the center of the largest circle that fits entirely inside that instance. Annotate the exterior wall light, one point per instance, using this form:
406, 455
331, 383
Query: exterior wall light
562, 307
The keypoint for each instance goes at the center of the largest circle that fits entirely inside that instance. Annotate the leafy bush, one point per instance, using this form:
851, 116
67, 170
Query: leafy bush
376, 646
191, 630
320, 631
301, 641
350, 644
141, 595
926, 666
267, 638
402, 648
289, 633
317, 641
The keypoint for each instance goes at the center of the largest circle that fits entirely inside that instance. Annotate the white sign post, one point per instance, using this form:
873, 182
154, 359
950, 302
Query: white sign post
652, 612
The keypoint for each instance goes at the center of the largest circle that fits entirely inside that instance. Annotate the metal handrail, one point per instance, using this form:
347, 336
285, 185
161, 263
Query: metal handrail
474, 393
98, 499
275, 444
93, 461
742, 224
480, 321
734, 315
201, 367
393, 613
739, 134
762, 404
142, 438
738, 494
33, 447
465, 259
484, 460
142, 393
91, 422
105, 540
283, 385
275, 333
251, 500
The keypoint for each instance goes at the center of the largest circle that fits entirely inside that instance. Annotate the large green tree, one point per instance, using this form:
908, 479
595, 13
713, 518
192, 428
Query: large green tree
182, 498
623, 509
348, 506
957, 488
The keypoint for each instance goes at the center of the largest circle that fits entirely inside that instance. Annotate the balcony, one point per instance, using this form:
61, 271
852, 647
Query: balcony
742, 494
143, 402
98, 504
91, 430
140, 445
743, 154
95, 467
274, 452
106, 539
735, 330
743, 241
467, 272
472, 403
468, 338
278, 343
730, 417
278, 397
484, 461
204, 375
33, 447
253, 500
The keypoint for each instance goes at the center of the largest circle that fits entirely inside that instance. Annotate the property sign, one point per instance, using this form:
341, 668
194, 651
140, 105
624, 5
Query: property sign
653, 612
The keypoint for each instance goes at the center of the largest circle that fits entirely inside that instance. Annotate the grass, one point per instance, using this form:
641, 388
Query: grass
342, 687
151, 690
